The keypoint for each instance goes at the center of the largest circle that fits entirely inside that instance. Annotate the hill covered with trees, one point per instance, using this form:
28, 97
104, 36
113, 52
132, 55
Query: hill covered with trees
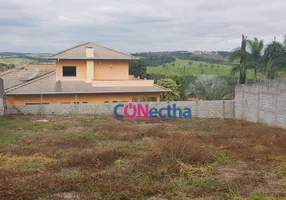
153, 59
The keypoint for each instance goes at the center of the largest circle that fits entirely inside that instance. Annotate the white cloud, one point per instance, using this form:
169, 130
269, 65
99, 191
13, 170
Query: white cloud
134, 26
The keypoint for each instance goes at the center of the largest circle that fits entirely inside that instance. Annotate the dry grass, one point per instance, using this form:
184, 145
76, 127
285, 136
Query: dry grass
92, 157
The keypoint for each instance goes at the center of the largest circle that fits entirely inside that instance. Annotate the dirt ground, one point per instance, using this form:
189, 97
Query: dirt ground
101, 157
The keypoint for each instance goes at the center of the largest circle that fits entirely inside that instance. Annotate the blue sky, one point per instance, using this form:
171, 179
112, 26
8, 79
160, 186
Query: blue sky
137, 25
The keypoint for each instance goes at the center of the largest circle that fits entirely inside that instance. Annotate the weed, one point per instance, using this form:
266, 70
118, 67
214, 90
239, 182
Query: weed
233, 194
220, 158
107, 158
88, 135
30, 148
185, 148
9, 138
132, 147
31, 165
119, 161
258, 196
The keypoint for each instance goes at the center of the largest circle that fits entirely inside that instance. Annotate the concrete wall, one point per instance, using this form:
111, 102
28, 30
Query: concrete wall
65, 98
200, 109
262, 102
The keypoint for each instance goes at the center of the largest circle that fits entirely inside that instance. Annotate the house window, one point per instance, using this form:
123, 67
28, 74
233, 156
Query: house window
136, 99
69, 71
85, 102
152, 99
65, 102
31, 104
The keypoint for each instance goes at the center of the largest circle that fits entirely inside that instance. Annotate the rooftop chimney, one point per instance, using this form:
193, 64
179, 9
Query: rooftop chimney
89, 52
89, 65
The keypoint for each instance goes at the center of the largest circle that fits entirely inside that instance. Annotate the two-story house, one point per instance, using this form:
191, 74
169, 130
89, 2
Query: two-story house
87, 73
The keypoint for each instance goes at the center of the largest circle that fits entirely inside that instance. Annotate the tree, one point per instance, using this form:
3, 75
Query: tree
255, 47
242, 56
210, 87
182, 86
274, 58
170, 84
138, 69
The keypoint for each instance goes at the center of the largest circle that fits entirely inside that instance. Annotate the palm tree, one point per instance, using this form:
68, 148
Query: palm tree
274, 58
210, 87
255, 48
242, 55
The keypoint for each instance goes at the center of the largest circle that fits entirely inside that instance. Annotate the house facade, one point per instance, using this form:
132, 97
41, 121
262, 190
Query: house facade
87, 73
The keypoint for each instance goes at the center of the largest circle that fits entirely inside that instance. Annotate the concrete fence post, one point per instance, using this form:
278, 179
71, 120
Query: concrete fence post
41, 109
258, 105
76, 104
223, 110
197, 109
276, 105
243, 107
1, 106
233, 109
108, 107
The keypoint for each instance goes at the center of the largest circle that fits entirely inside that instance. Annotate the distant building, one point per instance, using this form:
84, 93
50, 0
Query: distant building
87, 73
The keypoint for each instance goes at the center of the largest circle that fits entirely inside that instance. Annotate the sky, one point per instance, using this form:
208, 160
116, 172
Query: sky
49, 26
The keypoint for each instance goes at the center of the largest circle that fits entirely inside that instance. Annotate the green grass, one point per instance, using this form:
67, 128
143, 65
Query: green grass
196, 69
223, 159
29, 165
88, 135
16, 61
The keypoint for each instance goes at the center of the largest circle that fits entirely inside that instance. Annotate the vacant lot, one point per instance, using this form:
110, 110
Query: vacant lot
97, 157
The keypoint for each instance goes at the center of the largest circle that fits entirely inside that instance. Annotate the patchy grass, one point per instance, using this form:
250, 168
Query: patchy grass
100, 157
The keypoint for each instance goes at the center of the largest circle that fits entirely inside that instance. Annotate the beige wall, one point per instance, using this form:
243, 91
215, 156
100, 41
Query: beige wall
90, 98
107, 83
103, 70
80, 70
111, 70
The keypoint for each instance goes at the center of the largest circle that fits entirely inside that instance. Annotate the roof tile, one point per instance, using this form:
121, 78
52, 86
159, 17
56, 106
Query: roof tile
100, 52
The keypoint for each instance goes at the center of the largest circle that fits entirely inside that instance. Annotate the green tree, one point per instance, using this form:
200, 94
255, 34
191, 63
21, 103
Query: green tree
255, 48
138, 69
210, 87
274, 58
172, 85
201, 65
242, 56
182, 86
